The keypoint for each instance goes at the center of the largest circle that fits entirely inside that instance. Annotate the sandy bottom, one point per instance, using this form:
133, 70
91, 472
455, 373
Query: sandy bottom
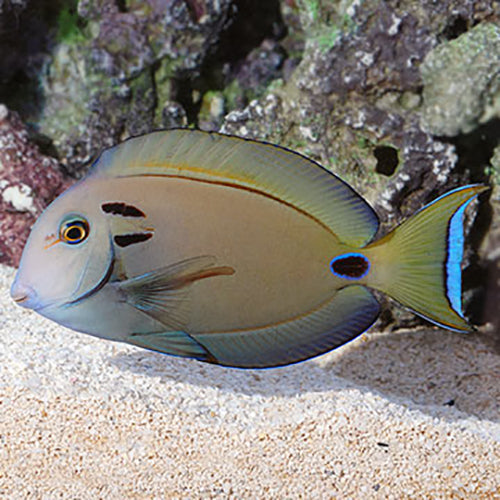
402, 415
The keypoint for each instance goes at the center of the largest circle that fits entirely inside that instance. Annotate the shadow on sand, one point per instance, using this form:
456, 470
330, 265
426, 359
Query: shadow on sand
437, 371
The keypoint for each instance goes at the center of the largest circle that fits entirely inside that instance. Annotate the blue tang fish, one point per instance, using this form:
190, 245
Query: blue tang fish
234, 252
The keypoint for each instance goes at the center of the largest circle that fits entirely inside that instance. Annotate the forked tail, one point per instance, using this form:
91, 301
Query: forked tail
419, 263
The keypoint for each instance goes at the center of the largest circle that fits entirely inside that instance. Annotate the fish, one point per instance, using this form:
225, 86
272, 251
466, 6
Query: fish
234, 252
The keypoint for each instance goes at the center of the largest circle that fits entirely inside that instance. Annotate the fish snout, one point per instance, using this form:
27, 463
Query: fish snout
23, 295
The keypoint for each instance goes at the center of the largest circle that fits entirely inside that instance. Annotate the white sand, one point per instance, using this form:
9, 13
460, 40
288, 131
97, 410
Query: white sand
86, 418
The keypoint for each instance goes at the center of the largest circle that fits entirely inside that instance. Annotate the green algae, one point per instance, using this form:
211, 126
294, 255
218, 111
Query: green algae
325, 22
69, 28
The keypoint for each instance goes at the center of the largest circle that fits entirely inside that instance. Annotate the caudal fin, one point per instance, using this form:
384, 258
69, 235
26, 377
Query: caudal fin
418, 263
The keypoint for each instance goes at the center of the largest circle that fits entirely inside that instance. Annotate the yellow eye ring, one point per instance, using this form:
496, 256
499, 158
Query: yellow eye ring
74, 231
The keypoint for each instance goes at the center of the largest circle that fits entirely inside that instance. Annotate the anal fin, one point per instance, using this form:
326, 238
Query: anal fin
351, 311
174, 343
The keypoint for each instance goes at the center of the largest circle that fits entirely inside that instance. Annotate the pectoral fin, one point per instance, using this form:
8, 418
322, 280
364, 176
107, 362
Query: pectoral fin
163, 293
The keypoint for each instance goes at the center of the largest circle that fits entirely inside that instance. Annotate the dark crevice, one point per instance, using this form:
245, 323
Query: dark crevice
45, 143
28, 34
476, 149
252, 22
122, 5
182, 92
387, 160
455, 27
25, 39
10, 19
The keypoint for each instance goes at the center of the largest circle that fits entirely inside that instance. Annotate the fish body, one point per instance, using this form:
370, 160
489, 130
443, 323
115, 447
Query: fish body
233, 252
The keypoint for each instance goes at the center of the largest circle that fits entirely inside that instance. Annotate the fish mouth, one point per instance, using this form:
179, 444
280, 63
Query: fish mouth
23, 295
20, 299
29, 302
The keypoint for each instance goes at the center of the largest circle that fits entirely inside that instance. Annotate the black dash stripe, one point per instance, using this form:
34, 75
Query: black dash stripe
120, 208
124, 240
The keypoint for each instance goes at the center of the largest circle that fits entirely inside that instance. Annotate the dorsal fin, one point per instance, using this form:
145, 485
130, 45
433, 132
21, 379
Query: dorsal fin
263, 167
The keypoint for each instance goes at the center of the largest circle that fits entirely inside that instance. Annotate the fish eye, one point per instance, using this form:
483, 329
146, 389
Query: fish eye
74, 231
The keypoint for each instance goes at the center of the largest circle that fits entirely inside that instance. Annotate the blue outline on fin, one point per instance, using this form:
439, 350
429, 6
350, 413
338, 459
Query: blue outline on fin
455, 251
344, 256
444, 195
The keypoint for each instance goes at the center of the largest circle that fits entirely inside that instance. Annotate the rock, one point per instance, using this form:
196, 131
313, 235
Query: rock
261, 66
260, 119
173, 115
29, 181
462, 82
106, 86
352, 103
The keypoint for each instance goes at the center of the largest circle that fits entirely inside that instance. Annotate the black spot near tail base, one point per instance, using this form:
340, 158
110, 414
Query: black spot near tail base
350, 266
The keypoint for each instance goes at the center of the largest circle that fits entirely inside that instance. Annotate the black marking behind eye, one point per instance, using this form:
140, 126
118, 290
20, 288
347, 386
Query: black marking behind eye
351, 266
124, 240
120, 208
